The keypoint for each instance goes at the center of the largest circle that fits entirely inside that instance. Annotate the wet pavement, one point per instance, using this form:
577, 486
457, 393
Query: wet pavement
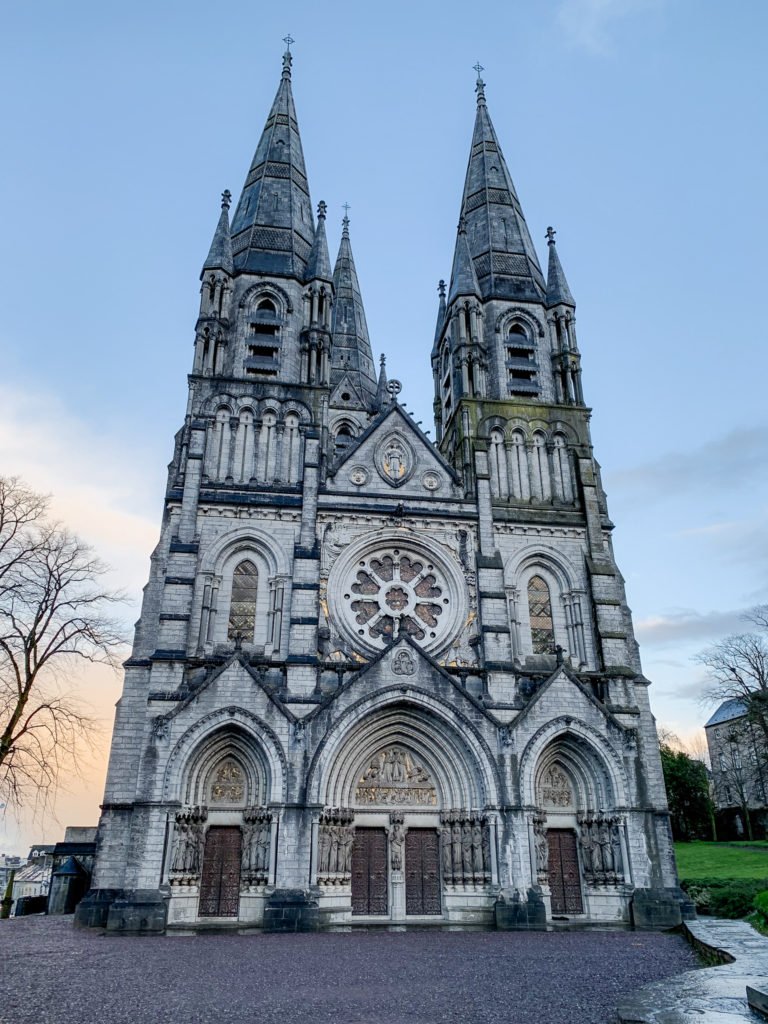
51, 973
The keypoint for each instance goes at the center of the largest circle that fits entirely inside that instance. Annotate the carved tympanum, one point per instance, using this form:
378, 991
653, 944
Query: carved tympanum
394, 776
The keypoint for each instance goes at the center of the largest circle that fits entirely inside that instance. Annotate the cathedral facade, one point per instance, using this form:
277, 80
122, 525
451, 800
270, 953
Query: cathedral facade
380, 678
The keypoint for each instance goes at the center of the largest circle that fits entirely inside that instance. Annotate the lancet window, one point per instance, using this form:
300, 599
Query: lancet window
262, 349
540, 614
242, 605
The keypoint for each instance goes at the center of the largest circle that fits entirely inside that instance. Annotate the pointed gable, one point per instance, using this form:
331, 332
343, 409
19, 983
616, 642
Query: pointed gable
394, 458
273, 228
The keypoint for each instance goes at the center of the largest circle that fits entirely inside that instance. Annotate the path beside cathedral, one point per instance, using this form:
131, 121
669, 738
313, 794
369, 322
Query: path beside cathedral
419, 977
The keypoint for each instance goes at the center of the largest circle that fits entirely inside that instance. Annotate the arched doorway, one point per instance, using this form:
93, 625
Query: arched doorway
406, 789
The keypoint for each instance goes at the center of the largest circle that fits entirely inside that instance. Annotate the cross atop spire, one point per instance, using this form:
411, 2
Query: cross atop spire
226, 199
345, 222
551, 236
287, 56
479, 84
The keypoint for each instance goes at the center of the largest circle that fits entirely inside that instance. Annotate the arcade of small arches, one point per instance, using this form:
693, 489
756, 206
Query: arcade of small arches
531, 466
255, 444
410, 822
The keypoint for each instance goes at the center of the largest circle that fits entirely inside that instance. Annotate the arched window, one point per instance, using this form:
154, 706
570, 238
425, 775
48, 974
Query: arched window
242, 605
262, 349
342, 439
521, 362
266, 306
540, 614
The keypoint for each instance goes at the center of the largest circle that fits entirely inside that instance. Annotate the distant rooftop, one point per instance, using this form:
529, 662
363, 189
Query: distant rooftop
727, 711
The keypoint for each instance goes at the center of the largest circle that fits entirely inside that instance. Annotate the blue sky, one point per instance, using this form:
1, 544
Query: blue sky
636, 127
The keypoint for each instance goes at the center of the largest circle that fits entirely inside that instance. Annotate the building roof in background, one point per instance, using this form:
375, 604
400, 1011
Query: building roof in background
727, 711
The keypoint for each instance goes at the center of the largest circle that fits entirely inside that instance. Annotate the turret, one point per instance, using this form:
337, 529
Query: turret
215, 296
566, 361
317, 309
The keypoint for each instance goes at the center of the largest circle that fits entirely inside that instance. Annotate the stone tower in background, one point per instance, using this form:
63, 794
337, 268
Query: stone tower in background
376, 677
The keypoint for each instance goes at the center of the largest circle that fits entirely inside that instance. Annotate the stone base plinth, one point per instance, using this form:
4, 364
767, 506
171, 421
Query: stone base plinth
291, 910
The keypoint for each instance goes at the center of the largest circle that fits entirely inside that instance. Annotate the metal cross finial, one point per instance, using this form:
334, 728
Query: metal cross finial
346, 208
441, 288
478, 68
226, 199
551, 236
288, 40
322, 206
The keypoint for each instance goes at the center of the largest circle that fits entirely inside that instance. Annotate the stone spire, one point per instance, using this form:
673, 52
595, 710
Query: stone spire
440, 317
351, 354
319, 263
382, 395
273, 228
220, 254
558, 292
499, 241
463, 276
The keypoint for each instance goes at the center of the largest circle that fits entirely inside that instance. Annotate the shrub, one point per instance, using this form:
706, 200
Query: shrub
725, 897
760, 917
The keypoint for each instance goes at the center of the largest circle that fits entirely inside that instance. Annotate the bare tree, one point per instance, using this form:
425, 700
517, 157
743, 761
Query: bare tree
54, 612
737, 669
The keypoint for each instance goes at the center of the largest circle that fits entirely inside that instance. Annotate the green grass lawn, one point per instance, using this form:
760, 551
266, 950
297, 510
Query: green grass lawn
722, 860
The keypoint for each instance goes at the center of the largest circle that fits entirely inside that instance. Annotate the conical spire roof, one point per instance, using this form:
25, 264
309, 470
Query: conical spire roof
382, 395
463, 276
319, 264
273, 228
499, 241
557, 286
351, 351
220, 254
440, 316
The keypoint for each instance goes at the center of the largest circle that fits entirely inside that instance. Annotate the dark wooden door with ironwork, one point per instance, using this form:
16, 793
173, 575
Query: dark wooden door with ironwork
564, 878
422, 871
369, 871
220, 878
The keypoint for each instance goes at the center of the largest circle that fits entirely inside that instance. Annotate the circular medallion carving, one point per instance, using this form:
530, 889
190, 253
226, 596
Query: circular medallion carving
431, 481
381, 589
358, 476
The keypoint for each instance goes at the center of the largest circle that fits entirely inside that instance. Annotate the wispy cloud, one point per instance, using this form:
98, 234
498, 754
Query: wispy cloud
589, 24
737, 460
687, 626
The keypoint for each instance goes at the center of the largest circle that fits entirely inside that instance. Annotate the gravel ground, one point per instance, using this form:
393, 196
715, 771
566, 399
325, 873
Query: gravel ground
51, 973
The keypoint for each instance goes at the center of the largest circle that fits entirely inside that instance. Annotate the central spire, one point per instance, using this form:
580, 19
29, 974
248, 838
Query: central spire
499, 242
273, 227
351, 353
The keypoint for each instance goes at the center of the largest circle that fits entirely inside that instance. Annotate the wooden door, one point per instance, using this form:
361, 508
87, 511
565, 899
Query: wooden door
369, 872
220, 877
422, 871
564, 877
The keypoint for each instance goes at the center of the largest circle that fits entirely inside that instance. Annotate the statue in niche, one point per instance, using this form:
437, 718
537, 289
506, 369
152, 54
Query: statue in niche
606, 846
477, 849
324, 849
396, 841
541, 848
189, 834
394, 460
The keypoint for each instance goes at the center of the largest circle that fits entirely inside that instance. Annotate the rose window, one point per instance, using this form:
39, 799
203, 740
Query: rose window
397, 592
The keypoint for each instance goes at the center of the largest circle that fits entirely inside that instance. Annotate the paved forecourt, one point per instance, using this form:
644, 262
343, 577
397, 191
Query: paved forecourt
52, 972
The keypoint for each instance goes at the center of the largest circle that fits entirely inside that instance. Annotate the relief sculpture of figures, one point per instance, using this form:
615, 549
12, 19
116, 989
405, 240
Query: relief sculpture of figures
466, 848
257, 839
188, 843
600, 845
541, 848
335, 837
